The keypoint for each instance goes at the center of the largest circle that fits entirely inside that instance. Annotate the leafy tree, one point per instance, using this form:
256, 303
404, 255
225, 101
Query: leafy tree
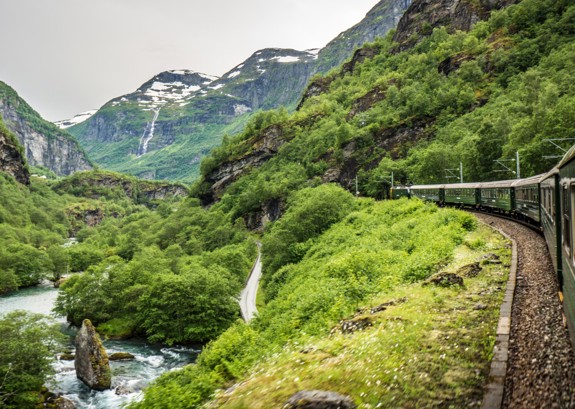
27, 345
28, 263
191, 307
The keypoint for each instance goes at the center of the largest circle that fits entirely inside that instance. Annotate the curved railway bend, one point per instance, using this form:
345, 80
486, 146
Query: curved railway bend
541, 362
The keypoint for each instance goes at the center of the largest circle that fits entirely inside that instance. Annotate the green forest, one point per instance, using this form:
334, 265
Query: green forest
170, 270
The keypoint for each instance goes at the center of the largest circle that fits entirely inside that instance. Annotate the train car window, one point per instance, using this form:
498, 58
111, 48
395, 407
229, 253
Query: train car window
567, 232
571, 207
552, 202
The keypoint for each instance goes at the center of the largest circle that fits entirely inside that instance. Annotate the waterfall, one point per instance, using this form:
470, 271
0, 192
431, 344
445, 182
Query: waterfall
145, 140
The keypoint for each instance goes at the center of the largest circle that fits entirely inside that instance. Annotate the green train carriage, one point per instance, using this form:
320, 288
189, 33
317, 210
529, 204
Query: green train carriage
498, 196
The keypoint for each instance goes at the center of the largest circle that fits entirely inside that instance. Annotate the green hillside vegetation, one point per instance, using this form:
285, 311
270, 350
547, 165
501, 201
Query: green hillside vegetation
374, 254
508, 87
170, 275
35, 221
112, 185
33, 226
470, 97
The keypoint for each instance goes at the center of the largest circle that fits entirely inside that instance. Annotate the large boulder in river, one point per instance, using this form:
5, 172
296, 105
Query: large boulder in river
91, 363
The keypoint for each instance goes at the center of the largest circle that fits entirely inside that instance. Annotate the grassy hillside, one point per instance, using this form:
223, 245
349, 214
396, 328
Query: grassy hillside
349, 313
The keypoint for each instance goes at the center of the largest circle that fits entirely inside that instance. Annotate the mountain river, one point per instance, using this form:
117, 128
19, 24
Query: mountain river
131, 376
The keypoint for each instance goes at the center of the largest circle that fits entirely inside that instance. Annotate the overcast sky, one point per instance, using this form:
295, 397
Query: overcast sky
69, 56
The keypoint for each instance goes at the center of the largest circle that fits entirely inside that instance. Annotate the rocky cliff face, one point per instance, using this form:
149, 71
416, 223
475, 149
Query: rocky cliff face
423, 15
44, 144
11, 157
264, 147
383, 17
91, 361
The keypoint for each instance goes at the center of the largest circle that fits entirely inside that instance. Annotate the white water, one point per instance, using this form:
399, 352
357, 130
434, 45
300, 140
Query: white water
249, 293
151, 360
145, 140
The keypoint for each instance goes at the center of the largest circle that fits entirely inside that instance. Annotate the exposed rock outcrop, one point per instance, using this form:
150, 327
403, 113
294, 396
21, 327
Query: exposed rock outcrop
44, 144
64, 403
262, 148
270, 211
319, 400
395, 141
424, 15
91, 362
445, 279
11, 157
52, 400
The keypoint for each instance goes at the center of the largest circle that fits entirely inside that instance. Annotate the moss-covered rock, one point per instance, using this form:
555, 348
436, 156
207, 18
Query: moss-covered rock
91, 363
121, 356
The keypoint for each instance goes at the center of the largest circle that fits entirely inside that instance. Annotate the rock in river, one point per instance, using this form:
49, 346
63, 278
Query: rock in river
91, 363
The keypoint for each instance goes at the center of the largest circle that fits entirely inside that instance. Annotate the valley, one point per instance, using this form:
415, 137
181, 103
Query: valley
173, 191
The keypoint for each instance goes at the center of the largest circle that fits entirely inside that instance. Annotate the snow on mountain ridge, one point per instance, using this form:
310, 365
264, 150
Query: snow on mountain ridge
66, 123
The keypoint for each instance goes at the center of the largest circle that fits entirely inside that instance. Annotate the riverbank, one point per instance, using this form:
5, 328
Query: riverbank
128, 377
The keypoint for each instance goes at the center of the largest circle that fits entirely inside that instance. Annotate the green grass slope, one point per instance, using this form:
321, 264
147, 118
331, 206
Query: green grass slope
379, 252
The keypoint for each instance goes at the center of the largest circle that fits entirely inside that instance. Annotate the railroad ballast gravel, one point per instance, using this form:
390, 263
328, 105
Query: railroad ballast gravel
541, 363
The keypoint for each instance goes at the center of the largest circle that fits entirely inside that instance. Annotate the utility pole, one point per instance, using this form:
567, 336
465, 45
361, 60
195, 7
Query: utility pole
356, 187
507, 168
450, 173
517, 163
553, 141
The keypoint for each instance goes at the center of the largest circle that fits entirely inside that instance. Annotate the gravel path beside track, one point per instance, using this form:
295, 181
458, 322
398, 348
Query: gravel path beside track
541, 363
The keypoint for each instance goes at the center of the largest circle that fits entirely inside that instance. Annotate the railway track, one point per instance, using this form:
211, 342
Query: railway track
540, 366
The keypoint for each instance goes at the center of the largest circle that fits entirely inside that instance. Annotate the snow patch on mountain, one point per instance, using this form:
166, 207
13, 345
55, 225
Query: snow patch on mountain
66, 123
240, 109
160, 93
286, 59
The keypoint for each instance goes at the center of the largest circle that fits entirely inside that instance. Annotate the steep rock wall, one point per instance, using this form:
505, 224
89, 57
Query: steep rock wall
423, 15
11, 157
57, 152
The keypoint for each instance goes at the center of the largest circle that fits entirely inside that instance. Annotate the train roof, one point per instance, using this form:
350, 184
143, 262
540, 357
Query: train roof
462, 185
497, 184
533, 180
416, 187
568, 157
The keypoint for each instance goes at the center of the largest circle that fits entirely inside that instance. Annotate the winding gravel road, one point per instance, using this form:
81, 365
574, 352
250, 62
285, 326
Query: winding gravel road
249, 293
